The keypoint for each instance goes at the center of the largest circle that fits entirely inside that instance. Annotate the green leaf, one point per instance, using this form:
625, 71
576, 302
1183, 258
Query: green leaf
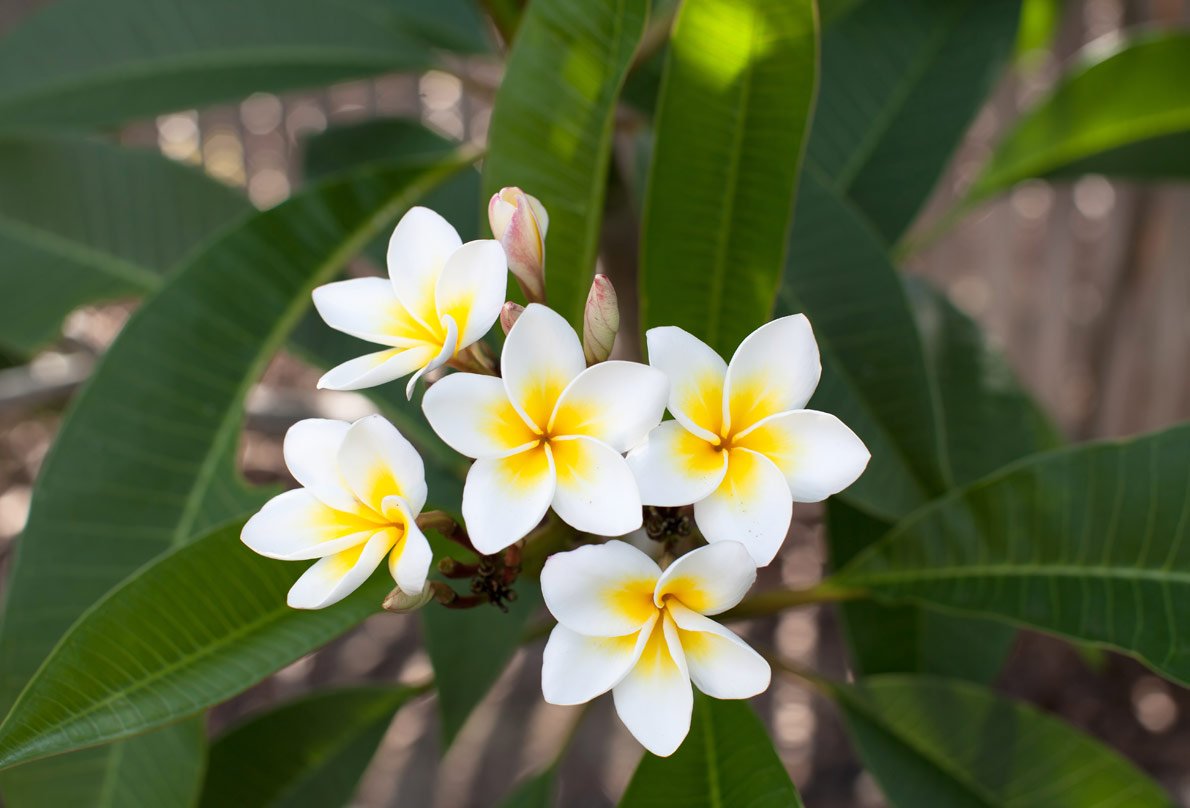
1107, 109
161, 769
1088, 542
732, 118
192, 629
76, 63
308, 752
83, 220
145, 460
933, 742
901, 82
727, 759
469, 649
552, 126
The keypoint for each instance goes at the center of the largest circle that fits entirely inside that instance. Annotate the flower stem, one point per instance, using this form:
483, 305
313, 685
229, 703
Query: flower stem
778, 600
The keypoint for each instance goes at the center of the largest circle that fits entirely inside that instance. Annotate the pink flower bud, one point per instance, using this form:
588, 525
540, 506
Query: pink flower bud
601, 320
509, 315
519, 222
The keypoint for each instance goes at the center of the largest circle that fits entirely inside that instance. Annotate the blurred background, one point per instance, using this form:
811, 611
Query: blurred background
1083, 285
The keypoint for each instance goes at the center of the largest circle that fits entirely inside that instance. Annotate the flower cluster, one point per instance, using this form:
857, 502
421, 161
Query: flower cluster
557, 425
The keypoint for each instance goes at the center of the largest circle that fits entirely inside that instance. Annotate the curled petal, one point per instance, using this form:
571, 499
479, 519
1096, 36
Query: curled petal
676, 467
721, 664
376, 368
378, 462
695, 374
775, 369
708, 580
601, 590
417, 252
752, 506
577, 668
541, 356
335, 577
473, 415
409, 561
448, 350
506, 497
614, 402
655, 700
816, 452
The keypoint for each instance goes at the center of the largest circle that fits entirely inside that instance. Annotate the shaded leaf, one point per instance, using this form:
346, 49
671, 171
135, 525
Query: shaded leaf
160, 769
83, 220
552, 127
735, 105
933, 742
76, 63
536, 792
1106, 109
222, 608
901, 82
308, 752
727, 759
1088, 542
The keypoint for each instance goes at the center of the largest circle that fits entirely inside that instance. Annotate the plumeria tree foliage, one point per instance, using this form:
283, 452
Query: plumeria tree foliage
542, 454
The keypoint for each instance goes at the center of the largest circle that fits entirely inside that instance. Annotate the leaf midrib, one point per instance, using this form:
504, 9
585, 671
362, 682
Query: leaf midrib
112, 266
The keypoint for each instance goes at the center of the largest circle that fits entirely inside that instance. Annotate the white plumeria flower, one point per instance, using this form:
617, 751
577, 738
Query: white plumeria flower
551, 432
441, 296
626, 626
742, 449
364, 486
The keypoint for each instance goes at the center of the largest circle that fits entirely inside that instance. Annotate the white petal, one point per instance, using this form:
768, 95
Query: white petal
409, 561
311, 451
504, 498
577, 668
297, 525
615, 402
473, 415
601, 590
377, 462
816, 452
676, 467
335, 577
752, 506
417, 252
369, 309
695, 374
775, 369
471, 288
541, 356
450, 344
721, 664
372, 369
655, 700
596, 492
709, 580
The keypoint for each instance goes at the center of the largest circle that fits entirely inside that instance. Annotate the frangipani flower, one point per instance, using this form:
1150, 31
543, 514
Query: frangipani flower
626, 626
519, 222
441, 296
742, 448
364, 486
549, 433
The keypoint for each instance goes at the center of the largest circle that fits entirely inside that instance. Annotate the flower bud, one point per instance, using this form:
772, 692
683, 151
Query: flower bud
601, 320
519, 223
509, 315
401, 602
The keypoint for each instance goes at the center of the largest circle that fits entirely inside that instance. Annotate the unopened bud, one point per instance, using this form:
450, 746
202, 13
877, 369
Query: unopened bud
401, 602
519, 222
509, 315
601, 320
